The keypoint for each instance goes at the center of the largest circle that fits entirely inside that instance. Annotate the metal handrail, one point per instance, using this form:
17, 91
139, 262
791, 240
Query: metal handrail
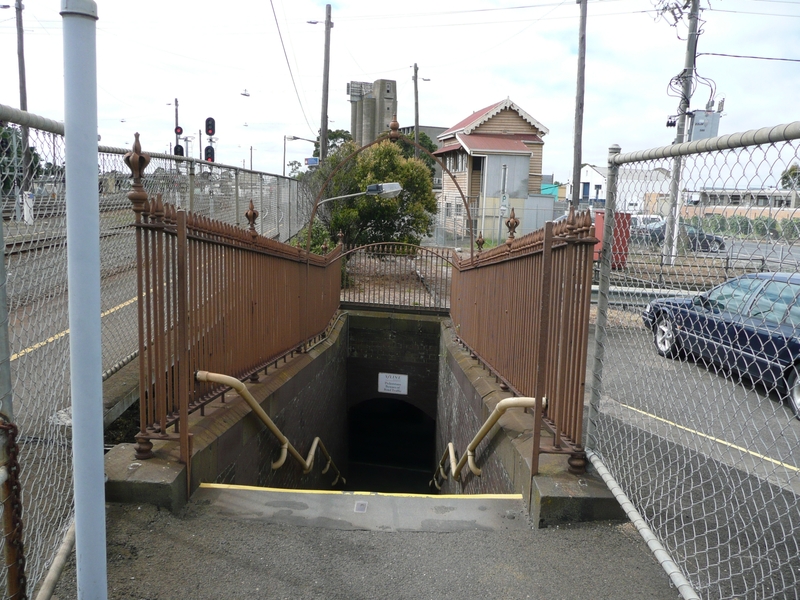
469, 456
286, 445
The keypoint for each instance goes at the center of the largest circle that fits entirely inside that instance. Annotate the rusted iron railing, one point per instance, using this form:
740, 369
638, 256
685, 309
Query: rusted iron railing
522, 309
397, 275
216, 297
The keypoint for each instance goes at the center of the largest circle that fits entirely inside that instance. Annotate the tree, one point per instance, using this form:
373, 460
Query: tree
12, 161
426, 142
790, 178
336, 139
369, 219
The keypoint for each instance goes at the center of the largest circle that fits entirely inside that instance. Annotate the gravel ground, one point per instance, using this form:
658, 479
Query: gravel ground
202, 554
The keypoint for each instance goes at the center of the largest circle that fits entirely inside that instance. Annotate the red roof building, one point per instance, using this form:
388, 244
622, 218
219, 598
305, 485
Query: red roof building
495, 157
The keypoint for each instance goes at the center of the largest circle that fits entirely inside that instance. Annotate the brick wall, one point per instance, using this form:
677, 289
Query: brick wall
407, 344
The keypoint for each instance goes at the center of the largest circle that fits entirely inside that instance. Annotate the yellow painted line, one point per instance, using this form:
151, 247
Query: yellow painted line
61, 334
712, 438
226, 486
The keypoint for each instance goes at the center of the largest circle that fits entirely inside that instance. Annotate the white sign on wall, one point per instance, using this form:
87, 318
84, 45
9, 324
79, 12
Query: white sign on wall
393, 383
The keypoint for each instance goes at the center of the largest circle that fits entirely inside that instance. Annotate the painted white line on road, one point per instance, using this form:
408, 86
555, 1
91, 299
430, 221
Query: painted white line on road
712, 438
61, 334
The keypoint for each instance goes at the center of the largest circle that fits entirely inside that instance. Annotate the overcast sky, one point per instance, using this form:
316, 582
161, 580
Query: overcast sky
475, 53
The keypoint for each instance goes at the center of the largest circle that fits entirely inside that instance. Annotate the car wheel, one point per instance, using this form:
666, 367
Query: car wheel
714, 246
664, 338
793, 390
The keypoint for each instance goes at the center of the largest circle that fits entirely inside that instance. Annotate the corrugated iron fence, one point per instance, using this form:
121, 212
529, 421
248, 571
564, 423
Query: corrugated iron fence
218, 298
523, 308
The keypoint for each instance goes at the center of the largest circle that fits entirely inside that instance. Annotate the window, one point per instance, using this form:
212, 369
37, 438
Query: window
731, 296
772, 304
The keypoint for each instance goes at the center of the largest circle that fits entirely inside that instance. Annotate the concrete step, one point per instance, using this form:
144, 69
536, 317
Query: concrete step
367, 511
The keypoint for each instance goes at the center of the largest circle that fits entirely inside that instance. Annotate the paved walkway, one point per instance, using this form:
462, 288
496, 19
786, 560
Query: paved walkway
248, 549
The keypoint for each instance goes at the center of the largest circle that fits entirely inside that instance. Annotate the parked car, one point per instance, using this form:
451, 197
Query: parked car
639, 222
698, 239
749, 324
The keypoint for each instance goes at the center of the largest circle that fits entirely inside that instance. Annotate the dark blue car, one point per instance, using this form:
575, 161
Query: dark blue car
750, 324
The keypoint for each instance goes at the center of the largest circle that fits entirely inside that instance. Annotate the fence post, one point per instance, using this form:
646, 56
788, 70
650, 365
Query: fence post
191, 185
182, 353
602, 300
15, 571
544, 338
236, 195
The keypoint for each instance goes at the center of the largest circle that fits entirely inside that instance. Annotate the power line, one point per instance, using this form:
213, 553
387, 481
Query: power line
288, 66
743, 12
753, 57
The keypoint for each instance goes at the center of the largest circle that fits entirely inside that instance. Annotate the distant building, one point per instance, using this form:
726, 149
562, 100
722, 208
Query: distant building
372, 108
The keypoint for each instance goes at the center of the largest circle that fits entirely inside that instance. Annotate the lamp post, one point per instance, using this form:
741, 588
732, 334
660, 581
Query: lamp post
291, 138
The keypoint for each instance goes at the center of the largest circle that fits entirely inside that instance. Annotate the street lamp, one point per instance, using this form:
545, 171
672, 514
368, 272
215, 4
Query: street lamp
291, 138
382, 190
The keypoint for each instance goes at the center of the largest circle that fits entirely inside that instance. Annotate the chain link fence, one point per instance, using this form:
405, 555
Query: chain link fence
695, 395
34, 226
451, 224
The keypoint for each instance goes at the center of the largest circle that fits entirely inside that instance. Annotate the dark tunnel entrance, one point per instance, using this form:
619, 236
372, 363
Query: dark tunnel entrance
391, 447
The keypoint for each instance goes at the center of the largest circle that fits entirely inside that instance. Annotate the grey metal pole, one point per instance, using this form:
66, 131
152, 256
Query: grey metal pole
83, 270
177, 135
416, 112
579, 95
323, 127
670, 248
602, 300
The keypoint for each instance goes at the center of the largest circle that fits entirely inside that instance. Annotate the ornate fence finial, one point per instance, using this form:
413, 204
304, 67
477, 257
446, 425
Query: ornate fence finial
480, 242
340, 235
251, 215
137, 161
325, 247
394, 129
512, 223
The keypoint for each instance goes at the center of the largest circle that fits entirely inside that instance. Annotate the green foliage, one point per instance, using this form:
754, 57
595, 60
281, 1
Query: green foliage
336, 139
370, 219
12, 160
715, 223
426, 142
319, 236
762, 226
739, 225
695, 222
790, 229
790, 178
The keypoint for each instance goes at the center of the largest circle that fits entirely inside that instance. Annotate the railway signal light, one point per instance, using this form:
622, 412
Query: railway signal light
178, 130
178, 150
211, 126
209, 153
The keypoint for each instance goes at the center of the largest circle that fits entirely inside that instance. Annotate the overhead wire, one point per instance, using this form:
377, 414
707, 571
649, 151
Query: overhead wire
289, 66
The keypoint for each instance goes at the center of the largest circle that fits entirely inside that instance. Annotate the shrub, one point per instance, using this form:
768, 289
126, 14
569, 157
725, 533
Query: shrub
790, 229
715, 223
739, 225
762, 226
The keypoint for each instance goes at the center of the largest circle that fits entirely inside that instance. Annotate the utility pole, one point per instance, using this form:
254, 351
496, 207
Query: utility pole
579, 94
323, 127
23, 101
687, 76
416, 113
177, 135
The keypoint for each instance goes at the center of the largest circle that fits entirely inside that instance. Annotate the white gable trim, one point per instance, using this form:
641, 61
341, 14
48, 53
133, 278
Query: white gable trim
507, 103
